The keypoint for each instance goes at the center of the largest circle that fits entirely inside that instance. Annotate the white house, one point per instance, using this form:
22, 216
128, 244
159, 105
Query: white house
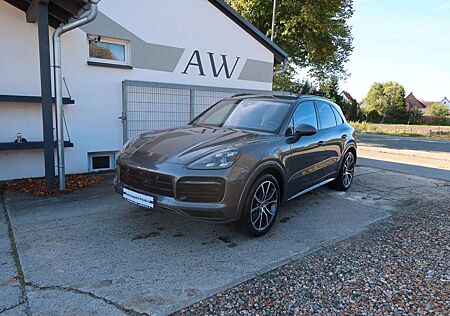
141, 65
446, 102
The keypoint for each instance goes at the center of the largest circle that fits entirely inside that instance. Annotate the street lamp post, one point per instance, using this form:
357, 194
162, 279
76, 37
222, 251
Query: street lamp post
272, 34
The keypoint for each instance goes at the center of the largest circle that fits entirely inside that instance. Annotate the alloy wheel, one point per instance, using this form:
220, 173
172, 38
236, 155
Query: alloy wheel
348, 170
264, 205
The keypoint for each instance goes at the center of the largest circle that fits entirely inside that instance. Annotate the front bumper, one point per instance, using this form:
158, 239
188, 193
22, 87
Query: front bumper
224, 211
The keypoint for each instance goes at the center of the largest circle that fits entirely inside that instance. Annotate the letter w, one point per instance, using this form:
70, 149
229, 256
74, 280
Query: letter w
224, 65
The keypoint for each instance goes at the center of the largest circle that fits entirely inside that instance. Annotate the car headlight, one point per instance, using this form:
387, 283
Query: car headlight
219, 160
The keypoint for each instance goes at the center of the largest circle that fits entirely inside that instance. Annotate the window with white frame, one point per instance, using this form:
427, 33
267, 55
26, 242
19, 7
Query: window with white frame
108, 50
101, 161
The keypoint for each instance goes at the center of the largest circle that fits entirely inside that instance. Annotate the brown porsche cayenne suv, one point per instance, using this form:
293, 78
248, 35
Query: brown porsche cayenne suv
240, 159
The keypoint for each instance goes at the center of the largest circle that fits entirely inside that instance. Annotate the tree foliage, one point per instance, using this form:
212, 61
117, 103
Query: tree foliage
437, 110
314, 33
387, 100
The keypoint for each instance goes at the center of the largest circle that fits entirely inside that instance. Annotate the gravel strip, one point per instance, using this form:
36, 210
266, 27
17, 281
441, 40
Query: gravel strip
398, 266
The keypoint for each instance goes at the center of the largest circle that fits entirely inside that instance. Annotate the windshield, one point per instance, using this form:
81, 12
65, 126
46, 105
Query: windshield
251, 114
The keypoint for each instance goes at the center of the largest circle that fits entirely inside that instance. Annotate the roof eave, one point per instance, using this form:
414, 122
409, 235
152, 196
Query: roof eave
59, 11
279, 54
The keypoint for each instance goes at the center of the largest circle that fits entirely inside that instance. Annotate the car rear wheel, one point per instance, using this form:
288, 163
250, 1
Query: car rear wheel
261, 207
345, 177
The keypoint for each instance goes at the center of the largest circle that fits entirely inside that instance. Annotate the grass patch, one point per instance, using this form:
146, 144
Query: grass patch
433, 132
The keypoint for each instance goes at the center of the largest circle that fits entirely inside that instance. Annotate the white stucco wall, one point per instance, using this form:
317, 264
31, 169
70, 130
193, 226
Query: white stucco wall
93, 120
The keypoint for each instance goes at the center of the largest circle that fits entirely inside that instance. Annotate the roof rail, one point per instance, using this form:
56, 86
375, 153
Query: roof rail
273, 94
241, 94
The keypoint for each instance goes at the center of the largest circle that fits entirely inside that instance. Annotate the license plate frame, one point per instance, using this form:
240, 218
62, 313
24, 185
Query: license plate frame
137, 198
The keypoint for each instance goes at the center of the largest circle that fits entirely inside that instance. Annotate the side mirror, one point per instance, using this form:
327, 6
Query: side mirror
304, 130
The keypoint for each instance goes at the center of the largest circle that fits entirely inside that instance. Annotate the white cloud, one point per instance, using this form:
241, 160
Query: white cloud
442, 7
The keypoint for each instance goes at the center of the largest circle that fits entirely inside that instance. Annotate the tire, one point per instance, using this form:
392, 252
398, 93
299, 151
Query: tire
261, 206
345, 177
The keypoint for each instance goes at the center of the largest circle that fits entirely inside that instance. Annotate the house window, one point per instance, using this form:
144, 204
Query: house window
100, 161
108, 50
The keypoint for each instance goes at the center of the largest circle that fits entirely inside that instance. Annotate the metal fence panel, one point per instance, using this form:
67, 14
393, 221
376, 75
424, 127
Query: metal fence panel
202, 99
151, 106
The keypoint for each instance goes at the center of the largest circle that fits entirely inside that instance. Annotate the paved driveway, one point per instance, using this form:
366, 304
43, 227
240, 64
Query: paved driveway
92, 251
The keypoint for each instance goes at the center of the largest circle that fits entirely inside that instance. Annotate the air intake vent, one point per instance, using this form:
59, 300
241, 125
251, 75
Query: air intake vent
200, 189
147, 181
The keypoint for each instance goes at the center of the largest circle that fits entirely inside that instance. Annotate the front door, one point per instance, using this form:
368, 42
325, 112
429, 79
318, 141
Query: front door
304, 160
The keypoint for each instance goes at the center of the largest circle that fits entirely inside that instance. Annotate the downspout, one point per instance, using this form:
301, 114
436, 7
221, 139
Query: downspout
86, 18
283, 68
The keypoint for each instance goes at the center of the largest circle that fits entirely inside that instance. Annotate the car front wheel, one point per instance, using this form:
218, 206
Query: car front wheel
261, 207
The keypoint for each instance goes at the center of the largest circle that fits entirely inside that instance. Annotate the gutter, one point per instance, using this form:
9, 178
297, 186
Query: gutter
86, 18
283, 68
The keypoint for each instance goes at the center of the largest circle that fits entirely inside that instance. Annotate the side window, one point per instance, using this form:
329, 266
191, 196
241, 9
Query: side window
326, 115
305, 114
108, 50
338, 116
290, 128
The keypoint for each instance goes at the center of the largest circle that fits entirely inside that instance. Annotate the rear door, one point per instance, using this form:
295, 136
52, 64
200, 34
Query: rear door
330, 139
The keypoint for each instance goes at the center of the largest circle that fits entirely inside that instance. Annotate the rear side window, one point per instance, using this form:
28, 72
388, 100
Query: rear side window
326, 115
305, 114
338, 116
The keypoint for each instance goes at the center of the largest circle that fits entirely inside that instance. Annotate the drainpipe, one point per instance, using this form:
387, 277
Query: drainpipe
283, 68
86, 18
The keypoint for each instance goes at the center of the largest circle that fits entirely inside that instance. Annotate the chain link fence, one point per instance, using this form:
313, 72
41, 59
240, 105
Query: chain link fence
149, 106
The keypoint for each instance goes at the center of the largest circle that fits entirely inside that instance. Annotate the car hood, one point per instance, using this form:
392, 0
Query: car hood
186, 144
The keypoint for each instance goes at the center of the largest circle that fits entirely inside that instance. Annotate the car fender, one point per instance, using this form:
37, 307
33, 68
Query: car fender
348, 145
258, 170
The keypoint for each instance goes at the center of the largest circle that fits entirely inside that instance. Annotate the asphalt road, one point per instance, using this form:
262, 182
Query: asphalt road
414, 156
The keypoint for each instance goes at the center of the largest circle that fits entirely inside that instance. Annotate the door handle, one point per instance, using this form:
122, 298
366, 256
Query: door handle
320, 143
344, 136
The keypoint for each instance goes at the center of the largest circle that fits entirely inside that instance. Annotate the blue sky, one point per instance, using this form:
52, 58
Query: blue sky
407, 41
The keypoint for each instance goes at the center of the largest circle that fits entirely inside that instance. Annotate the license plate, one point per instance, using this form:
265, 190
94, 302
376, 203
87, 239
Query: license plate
138, 198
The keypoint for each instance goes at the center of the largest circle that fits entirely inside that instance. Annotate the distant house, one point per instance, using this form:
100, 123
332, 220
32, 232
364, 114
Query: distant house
362, 104
413, 103
445, 101
347, 97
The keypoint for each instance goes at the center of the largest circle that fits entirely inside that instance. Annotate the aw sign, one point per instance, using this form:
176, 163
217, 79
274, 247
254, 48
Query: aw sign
216, 65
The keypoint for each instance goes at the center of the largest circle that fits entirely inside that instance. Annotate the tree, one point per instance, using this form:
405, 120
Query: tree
314, 33
414, 116
330, 89
437, 110
284, 82
388, 101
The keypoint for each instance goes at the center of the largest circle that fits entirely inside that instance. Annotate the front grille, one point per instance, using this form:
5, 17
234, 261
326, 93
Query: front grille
200, 189
151, 182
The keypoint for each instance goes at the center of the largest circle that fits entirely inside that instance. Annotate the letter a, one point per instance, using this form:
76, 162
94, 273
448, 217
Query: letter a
196, 54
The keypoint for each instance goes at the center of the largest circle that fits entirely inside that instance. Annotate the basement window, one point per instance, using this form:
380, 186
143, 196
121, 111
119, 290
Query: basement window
108, 50
101, 161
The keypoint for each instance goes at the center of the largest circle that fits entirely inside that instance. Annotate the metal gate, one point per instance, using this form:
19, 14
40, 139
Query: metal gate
151, 106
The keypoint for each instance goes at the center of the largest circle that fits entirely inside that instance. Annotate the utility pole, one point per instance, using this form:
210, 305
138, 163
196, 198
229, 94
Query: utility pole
272, 34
